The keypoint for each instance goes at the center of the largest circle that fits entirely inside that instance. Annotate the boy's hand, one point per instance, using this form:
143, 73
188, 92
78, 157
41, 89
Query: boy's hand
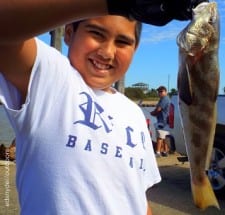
155, 12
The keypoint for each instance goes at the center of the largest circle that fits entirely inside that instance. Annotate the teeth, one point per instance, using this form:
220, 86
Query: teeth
101, 66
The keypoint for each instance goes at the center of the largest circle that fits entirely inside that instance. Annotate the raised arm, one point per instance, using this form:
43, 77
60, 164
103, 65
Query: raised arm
21, 20
25, 18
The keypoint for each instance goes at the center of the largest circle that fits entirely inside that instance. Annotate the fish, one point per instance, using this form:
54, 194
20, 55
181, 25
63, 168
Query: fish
198, 83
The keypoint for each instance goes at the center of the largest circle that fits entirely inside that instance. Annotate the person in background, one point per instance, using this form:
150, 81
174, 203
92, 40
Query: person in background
78, 150
161, 112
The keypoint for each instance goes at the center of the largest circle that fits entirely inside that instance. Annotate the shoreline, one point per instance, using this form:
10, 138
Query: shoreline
146, 103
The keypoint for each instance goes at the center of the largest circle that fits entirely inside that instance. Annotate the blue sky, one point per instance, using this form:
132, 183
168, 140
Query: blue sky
156, 60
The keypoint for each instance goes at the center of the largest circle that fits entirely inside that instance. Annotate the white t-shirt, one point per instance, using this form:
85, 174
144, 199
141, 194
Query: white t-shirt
79, 151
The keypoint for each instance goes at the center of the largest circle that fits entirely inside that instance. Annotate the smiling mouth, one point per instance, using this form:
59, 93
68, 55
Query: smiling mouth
101, 66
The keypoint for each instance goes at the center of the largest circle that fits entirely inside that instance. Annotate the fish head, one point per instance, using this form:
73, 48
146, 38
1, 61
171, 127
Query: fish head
202, 33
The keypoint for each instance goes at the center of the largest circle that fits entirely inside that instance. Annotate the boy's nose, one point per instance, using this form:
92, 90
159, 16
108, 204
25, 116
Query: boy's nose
107, 51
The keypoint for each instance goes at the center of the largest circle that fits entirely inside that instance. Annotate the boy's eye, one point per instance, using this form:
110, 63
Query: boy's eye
96, 33
124, 42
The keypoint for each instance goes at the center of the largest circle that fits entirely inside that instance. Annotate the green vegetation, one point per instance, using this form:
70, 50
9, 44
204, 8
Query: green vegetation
138, 94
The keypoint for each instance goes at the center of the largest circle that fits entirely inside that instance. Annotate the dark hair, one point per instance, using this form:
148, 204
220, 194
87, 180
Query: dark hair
138, 28
161, 88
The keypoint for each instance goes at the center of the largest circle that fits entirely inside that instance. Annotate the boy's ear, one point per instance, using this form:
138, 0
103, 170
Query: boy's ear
68, 34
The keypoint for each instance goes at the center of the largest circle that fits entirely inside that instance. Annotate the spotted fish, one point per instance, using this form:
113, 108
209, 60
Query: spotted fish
198, 81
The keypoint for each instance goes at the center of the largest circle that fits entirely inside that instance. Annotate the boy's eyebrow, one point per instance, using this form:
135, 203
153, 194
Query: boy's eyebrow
102, 29
95, 26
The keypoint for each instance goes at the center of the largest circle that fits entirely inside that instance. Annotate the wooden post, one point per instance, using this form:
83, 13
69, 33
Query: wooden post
120, 86
56, 38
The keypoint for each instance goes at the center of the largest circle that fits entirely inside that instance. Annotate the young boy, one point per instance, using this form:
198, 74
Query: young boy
78, 149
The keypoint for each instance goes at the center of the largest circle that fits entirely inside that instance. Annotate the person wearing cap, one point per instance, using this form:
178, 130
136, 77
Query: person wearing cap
161, 113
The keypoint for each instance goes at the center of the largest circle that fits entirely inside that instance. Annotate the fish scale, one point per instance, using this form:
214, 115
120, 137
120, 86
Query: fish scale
198, 81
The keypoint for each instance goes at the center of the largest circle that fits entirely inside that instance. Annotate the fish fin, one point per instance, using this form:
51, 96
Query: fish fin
203, 195
184, 86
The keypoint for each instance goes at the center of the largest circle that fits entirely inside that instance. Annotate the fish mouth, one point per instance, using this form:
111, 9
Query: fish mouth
192, 33
187, 40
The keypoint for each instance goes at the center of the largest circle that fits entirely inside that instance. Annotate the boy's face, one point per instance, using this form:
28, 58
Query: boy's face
101, 49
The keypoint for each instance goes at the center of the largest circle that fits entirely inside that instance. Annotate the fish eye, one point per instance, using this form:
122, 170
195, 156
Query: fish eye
211, 20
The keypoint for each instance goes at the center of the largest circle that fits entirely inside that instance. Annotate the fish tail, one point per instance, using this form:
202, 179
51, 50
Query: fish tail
203, 195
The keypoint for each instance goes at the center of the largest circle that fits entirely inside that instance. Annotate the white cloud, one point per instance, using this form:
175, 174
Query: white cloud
152, 34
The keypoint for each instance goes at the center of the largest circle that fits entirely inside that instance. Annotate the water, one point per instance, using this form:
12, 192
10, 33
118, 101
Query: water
6, 132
